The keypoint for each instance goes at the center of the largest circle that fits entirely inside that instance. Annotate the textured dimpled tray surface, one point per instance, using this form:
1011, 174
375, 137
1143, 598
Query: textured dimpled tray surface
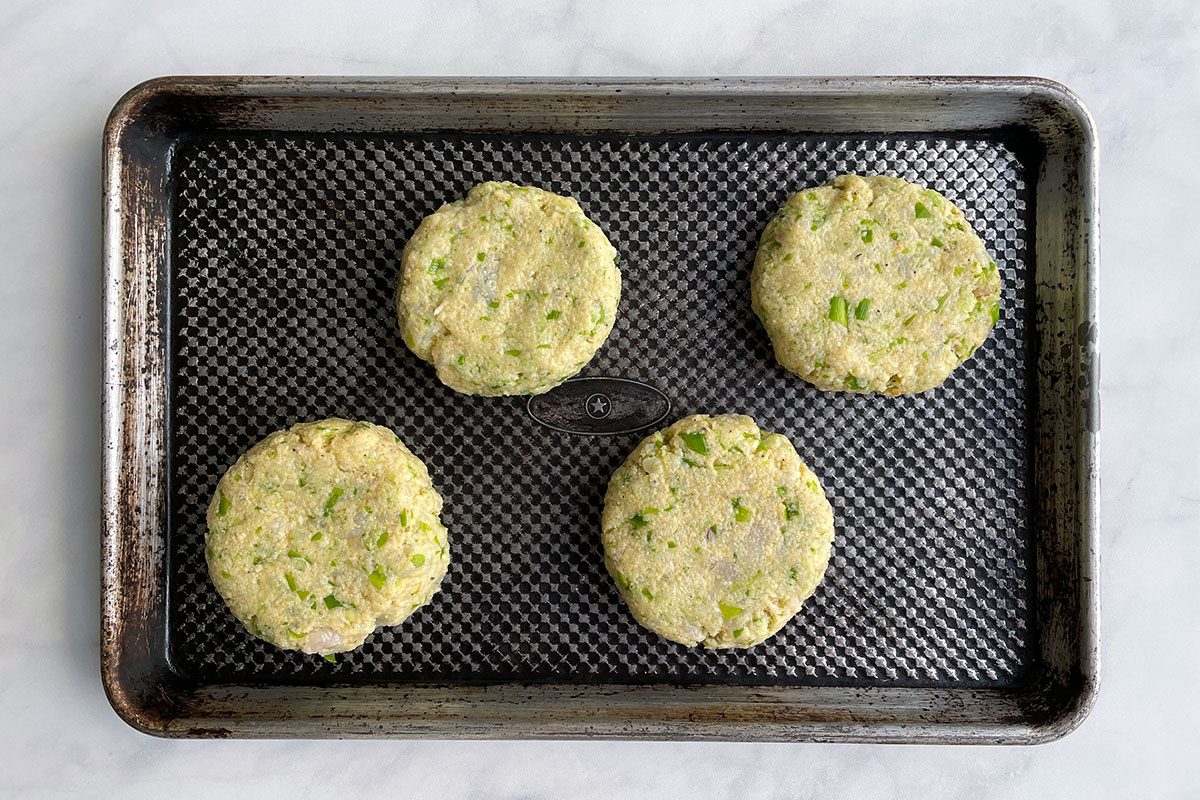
286, 250
252, 235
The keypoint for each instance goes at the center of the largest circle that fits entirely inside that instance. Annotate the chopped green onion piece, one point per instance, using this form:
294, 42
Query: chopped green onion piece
942, 301
695, 442
855, 383
740, 512
867, 235
638, 521
908, 321
438, 283
791, 510
793, 574
377, 577
333, 498
403, 518
480, 256
863, 308
920, 211
728, 611
670, 544
382, 540
739, 632
330, 658
514, 352
837, 310
223, 505
994, 312
332, 602
493, 304
555, 314
417, 560
647, 594
691, 463
936, 242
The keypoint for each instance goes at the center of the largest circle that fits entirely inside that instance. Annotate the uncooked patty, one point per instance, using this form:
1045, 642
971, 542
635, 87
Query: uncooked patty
323, 532
873, 285
716, 532
510, 291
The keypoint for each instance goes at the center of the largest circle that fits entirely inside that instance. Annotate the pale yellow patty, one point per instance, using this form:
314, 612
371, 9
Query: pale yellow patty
716, 532
510, 291
323, 532
873, 285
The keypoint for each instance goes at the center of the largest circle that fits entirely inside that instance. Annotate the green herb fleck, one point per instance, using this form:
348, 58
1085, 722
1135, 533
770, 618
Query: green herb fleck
647, 593
867, 235
299, 555
994, 312
670, 544
382, 540
936, 242
330, 657
223, 504
739, 632
332, 602
854, 383
863, 308
920, 211
417, 560
480, 256
793, 574
493, 304
403, 518
908, 321
695, 442
334, 495
638, 521
514, 352
740, 512
791, 510
728, 611
555, 314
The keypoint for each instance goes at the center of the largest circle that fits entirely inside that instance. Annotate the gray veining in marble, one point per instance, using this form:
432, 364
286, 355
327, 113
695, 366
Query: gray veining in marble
1136, 65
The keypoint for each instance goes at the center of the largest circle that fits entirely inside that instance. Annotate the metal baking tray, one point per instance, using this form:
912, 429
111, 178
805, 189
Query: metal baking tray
252, 231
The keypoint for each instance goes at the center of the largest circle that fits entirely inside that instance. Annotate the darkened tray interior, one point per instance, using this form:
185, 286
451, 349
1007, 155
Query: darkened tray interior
286, 249
260, 226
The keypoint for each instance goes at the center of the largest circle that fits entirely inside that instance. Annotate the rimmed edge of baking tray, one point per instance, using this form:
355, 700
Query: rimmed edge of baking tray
138, 140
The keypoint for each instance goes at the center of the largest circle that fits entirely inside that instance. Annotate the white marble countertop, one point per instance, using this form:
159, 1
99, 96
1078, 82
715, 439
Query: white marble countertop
65, 64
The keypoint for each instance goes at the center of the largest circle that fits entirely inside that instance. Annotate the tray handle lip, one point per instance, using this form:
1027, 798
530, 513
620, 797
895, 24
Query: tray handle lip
151, 88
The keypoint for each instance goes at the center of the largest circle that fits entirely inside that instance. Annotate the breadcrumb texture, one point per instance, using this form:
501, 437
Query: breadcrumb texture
873, 284
323, 532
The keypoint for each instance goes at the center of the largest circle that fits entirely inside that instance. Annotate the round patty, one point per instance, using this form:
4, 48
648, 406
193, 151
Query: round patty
510, 291
321, 533
716, 532
873, 285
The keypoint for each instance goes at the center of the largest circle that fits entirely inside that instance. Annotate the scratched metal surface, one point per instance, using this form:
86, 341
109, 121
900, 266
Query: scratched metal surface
285, 252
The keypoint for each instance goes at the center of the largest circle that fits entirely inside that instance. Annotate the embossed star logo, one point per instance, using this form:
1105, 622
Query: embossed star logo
598, 406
